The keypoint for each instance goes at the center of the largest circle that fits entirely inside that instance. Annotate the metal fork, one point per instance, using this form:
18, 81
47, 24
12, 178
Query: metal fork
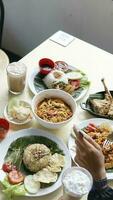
109, 140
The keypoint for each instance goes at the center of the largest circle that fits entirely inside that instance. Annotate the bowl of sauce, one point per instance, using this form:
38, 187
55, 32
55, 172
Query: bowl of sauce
4, 127
46, 66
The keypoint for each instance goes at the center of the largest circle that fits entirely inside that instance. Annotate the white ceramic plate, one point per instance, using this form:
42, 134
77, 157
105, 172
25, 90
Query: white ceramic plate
37, 132
71, 142
35, 91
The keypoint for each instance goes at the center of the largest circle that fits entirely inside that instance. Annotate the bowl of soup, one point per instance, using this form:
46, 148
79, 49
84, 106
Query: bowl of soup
53, 108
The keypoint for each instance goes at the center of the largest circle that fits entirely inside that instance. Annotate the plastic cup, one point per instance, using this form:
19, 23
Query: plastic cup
16, 77
77, 182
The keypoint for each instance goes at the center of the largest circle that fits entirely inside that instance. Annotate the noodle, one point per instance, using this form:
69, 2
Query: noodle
53, 110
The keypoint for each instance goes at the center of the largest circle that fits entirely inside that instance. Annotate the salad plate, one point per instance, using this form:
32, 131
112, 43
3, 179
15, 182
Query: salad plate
24, 137
82, 125
36, 83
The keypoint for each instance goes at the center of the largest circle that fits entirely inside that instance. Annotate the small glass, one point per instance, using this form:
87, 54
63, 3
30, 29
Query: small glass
75, 194
16, 77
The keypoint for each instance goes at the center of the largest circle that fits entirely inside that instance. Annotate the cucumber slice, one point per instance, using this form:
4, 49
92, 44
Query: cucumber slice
74, 75
30, 185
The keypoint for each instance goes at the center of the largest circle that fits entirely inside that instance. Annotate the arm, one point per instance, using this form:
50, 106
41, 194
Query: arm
89, 155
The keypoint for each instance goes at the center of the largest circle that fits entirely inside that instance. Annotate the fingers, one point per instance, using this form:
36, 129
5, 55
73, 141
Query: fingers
80, 162
90, 142
82, 137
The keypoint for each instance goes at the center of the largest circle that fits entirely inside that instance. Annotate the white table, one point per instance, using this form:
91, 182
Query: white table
92, 60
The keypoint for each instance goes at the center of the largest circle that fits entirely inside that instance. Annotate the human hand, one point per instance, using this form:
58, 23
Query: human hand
89, 155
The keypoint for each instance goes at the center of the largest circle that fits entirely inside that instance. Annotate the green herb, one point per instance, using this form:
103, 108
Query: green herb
38, 83
84, 83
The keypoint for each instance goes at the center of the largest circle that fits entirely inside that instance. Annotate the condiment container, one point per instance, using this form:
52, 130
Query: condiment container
77, 182
4, 127
46, 66
16, 76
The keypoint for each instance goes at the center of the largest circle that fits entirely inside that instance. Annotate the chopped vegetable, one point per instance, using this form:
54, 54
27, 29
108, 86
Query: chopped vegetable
31, 185
12, 190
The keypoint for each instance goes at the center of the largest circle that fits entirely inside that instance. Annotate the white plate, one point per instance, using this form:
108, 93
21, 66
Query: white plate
71, 142
34, 91
37, 132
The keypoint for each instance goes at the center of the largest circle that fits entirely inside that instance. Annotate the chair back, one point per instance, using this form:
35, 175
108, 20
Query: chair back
1, 20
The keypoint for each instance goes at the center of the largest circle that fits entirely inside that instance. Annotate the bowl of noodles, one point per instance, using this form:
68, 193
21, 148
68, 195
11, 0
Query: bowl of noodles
53, 108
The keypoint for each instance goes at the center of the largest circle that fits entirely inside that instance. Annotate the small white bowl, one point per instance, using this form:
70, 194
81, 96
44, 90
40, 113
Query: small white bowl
13, 121
52, 93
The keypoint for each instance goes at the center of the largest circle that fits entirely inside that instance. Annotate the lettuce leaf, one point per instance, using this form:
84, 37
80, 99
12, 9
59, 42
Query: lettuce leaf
12, 190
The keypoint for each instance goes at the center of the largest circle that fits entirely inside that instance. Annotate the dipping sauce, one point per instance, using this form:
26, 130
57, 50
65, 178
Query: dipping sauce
16, 75
53, 110
46, 66
4, 127
76, 182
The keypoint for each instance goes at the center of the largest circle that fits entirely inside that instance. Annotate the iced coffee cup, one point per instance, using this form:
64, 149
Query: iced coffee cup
77, 182
16, 77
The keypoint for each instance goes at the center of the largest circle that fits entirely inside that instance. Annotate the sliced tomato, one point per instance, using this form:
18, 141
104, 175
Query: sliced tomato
15, 177
91, 128
7, 167
75, 83
93, 125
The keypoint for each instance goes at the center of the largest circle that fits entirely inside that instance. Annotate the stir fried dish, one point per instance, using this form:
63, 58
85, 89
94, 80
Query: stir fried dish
99, 133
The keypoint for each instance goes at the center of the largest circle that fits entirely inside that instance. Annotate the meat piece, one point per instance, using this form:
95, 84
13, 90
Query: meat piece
110, 112
103, 106
100, 106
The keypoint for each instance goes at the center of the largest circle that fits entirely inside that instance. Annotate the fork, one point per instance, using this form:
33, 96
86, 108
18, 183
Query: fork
109, 140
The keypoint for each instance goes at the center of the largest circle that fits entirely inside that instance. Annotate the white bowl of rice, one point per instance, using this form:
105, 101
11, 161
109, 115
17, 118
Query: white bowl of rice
53, 108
